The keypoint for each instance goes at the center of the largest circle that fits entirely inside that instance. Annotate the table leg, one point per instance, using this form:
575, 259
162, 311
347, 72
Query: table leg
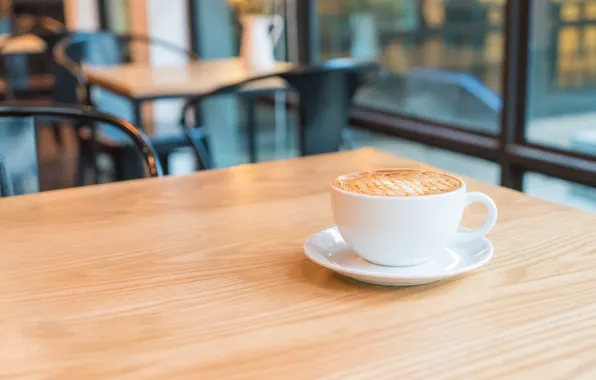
137, 114
251, 127
281, 123
94, 150
92, 146
135, 166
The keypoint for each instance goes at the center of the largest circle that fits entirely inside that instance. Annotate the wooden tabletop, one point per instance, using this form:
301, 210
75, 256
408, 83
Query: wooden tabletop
143, 80
204, 276
25, 44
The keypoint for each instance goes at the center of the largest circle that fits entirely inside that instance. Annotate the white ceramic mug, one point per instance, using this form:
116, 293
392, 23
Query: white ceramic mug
404, 231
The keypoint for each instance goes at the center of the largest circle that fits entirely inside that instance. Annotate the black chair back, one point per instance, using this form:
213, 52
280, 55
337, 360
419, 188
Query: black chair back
18, 162
326, 94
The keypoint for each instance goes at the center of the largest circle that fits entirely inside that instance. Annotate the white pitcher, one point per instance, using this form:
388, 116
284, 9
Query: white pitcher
260, 33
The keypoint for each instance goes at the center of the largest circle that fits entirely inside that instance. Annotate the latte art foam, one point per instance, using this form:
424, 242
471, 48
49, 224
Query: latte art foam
398, 183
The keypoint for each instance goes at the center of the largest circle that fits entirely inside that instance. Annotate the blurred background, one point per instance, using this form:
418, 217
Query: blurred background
503, 92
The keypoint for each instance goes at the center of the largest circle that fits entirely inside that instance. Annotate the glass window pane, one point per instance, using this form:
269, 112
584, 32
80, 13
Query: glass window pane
560, 191
118, 16
562, 75
472, 167
590, 10
443, 59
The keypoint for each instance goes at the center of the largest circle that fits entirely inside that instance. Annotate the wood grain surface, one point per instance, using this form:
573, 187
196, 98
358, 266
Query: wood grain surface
203, 276
143, 80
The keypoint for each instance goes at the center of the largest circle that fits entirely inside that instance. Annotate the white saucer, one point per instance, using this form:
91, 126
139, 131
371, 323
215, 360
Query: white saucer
327, 248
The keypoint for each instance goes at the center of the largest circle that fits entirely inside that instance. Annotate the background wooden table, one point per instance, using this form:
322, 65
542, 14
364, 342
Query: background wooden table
204, 277
25, 44
143, 81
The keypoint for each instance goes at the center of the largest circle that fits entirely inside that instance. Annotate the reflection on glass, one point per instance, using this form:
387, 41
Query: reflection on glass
560, 191
118, 16
460, 164
562, 75
443, 59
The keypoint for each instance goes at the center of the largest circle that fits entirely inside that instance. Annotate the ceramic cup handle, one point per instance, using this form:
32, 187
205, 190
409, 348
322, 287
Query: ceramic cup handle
488, 224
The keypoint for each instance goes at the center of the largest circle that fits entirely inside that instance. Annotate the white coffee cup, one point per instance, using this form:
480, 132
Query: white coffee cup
406, 230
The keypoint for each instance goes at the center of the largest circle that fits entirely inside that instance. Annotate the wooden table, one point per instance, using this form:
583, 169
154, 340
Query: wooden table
204, 276
25, 44
144, 82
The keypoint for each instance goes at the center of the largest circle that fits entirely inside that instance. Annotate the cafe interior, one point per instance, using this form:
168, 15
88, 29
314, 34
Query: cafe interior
163, 161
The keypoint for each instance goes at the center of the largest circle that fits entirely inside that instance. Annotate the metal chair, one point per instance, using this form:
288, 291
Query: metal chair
106, 48
326, 92
19, 175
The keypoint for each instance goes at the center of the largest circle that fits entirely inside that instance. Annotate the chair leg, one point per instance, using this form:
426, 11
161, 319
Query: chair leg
93, 144
200, 145
126, 164
82, 164
119, 160
207, 145
203, 151
164, 159
57, 131
346, 139
83, 160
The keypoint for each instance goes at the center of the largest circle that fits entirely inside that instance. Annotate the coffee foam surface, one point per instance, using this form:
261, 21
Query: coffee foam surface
398, 183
